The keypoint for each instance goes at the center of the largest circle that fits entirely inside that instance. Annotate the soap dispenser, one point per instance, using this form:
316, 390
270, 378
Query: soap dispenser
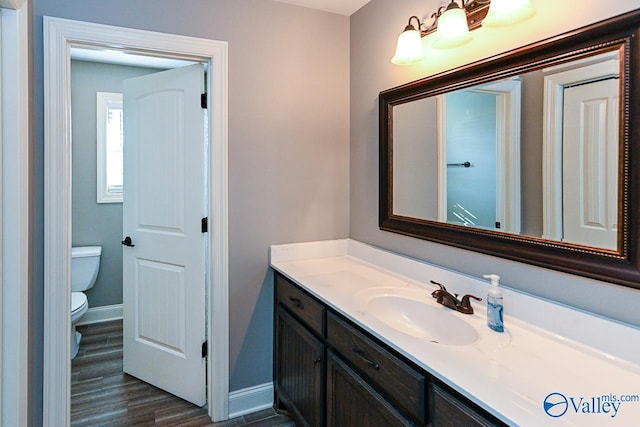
494, 304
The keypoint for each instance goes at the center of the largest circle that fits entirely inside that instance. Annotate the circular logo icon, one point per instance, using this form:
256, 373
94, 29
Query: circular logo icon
555, 405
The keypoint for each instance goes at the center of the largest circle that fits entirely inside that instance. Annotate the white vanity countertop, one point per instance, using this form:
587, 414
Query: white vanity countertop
546, 348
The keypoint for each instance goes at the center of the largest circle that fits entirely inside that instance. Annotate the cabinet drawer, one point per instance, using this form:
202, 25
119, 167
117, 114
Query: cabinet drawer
400, 383
304, 307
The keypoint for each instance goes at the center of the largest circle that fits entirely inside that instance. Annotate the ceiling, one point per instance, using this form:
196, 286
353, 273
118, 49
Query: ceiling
342, 7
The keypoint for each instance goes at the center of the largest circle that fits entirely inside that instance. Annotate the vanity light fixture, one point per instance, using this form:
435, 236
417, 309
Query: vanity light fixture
452, 25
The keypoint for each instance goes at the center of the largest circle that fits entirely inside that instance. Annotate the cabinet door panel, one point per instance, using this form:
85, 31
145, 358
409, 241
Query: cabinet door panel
351, 402
450, 411
299, 370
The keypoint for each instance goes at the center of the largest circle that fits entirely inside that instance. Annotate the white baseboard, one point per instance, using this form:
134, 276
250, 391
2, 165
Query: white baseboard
102, 314
251, 399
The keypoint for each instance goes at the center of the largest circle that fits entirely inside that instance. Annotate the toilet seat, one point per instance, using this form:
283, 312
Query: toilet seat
79, 305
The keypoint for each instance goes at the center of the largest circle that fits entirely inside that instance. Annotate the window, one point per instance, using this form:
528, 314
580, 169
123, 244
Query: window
109, 147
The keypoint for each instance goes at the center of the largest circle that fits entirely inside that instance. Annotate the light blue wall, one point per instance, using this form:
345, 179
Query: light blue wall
95, 224
471, 137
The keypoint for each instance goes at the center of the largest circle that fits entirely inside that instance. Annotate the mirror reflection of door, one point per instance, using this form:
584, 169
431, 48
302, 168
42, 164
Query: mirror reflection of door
471, 158
581, 150
479, 150
478, 126
589, 163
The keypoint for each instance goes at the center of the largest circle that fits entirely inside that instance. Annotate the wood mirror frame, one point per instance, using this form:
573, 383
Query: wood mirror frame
621, 266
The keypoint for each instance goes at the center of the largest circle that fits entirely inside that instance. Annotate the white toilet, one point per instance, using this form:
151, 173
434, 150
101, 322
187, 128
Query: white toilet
85, 263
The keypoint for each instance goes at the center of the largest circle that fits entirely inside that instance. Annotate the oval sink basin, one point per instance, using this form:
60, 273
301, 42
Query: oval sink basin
407, 311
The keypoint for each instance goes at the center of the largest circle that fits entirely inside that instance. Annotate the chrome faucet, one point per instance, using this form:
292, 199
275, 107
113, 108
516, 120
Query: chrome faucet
445, 298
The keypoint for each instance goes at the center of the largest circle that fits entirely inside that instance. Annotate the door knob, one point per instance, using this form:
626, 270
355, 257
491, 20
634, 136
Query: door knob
127, 242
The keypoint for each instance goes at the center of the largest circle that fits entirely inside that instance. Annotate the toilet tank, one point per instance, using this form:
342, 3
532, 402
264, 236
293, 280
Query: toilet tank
85, 264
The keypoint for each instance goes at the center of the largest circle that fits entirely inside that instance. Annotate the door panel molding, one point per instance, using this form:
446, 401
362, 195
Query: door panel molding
59, 36
590, 164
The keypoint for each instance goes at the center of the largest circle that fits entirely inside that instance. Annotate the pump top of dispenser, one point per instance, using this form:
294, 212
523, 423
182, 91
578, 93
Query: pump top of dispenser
494, 291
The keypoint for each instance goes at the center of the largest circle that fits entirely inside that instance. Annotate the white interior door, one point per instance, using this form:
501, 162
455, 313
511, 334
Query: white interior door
590, 164
164, 203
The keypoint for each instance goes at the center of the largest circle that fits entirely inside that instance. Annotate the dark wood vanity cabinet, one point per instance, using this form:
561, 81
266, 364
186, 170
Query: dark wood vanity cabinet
329, 372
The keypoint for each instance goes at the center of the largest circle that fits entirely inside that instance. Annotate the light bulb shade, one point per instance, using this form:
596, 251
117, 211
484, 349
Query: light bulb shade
409, 48
452, 30
507, 12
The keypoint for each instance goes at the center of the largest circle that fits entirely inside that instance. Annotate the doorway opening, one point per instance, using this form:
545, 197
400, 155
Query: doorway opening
479, 156
155, 282
60, 36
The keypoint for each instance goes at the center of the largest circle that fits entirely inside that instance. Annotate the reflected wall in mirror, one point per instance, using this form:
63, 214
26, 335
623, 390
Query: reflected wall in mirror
525, 155
457, 155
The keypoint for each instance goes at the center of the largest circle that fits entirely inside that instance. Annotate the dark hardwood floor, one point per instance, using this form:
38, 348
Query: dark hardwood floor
102, 395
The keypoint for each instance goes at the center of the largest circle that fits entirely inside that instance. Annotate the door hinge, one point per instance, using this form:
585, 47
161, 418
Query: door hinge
203, 100
498, 225
204, 224
204, 349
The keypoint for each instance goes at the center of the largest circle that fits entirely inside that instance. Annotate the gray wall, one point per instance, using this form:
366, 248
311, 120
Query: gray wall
414, 144
374, 30
288, 143
531, 152
291, 156
96, 223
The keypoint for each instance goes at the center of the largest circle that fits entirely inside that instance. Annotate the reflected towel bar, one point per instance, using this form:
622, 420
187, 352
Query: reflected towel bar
465, 164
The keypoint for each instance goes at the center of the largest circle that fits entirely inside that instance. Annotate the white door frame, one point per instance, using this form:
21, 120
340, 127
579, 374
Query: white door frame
14, 234
552, 135
508, 162
59, 36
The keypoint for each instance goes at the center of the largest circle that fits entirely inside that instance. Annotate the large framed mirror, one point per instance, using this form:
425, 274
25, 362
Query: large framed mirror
531, 155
